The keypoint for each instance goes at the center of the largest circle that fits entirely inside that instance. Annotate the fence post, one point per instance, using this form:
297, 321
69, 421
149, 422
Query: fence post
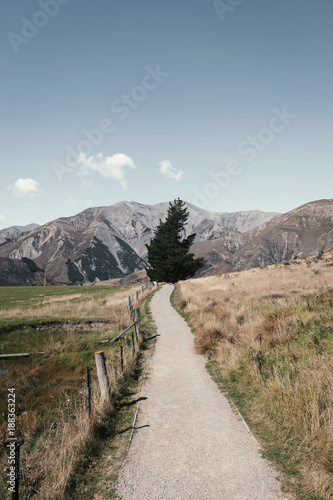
15, 493
129, 304
137, 296
138, 319
133, 345
122, 357
136, 333
102, 375
89, 389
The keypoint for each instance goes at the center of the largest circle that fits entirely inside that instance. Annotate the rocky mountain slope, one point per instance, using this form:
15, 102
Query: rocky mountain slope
307, 230
109, 242
12, 233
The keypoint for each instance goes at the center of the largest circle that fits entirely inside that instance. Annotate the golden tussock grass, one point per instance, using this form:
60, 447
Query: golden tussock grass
49, 455
271, 332
51, 393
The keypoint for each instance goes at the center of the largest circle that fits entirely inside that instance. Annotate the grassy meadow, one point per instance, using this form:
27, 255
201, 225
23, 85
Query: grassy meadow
268, 336
66, 325
30, 305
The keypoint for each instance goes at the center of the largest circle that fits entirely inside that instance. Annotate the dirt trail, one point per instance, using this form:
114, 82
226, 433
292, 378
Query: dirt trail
189, 444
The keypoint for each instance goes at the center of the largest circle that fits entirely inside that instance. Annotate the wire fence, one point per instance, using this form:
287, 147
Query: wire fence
44, 458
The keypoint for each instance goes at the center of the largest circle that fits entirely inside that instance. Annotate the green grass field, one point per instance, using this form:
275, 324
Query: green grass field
11, 296
27, 305
67, 325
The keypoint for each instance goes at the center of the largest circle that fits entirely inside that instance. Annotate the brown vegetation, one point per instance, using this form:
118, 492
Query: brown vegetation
270, 332
51, 390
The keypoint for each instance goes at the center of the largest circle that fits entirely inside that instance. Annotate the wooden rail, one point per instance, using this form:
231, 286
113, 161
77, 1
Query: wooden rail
19, 355
120, 334
131, 311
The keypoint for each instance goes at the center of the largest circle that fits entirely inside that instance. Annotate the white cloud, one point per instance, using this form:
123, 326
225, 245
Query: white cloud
169, 171
25, 188
109, 167
2, 217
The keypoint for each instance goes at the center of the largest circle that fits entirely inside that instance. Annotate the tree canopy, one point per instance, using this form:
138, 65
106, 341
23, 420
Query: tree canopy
168, 252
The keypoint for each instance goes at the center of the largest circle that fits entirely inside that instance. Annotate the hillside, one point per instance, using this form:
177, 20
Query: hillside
109, 242
268, 336
15, 272
11, 233
304, 231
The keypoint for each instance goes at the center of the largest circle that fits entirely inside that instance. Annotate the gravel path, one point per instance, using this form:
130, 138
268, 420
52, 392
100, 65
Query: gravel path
189, 443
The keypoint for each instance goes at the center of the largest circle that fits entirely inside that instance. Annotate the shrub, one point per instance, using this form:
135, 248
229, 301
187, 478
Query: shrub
32, 265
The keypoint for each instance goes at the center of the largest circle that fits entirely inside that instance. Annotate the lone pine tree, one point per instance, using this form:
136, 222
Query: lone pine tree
168, 252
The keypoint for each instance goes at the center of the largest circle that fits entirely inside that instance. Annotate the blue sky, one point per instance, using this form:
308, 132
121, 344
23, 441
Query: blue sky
226, 104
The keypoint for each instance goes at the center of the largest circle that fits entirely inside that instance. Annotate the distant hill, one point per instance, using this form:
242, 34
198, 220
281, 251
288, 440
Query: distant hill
16, 272
109, 242
305, 231
137, 278
12, 233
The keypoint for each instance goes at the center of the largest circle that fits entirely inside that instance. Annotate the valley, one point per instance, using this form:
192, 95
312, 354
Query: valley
105, 243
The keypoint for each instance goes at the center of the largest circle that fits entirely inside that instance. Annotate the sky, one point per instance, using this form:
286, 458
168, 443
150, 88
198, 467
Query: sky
225, 104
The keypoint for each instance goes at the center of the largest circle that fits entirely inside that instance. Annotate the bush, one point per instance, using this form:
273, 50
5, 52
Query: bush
32, 265
73, 272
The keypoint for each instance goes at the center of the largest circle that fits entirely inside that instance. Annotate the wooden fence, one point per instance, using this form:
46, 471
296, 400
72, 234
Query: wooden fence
30, 482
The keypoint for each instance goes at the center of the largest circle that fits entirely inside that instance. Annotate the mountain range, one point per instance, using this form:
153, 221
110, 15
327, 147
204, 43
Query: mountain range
304, 231
10, 233
104, 243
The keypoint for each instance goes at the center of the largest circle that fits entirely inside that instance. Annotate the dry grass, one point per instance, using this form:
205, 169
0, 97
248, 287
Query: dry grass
254, 302
68, 345
72, 306
270, 330
51, 394
49, 455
